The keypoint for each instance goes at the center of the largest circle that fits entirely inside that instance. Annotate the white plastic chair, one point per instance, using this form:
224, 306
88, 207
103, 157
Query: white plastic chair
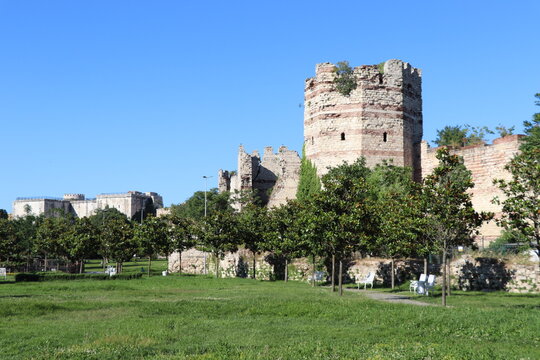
430, 284
367, 280
414, 283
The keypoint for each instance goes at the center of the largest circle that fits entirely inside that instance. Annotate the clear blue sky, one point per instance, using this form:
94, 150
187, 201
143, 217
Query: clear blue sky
110, 96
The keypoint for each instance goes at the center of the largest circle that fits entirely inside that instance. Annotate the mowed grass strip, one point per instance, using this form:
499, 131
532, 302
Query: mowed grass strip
198, 317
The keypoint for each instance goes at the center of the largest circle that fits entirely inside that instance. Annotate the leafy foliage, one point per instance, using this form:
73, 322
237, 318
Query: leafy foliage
193, 207
532, 130
345, 80
309, 182
457, 136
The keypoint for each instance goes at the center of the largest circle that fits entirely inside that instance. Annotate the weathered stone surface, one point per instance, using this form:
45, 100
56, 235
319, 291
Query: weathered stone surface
274, 177
486, 162
381, 119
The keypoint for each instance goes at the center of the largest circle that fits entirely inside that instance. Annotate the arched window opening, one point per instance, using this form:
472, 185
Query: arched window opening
342, 136
380, 78
385, 137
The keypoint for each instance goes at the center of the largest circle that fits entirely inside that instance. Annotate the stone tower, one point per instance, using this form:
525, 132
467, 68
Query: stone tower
381, 119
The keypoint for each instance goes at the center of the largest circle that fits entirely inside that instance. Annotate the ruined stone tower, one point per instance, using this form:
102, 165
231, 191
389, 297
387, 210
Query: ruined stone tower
381, 119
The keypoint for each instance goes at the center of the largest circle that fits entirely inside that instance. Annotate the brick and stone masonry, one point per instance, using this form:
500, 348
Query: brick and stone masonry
381, 119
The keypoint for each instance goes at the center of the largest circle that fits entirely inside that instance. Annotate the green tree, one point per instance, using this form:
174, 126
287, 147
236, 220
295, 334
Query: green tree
252, 230
152, 238
399, 212
194, 206
181, 234
117, 239
457, 136
345, 80
343, 213
309, 182
50, 238
217, 234
521, 206
81, 241
282, 233
451, 218
8, 241
3, 214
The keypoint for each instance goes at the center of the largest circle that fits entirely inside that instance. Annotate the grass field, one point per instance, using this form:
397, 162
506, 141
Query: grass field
198, 317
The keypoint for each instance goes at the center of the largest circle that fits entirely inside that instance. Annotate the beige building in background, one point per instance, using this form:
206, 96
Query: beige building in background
130, 204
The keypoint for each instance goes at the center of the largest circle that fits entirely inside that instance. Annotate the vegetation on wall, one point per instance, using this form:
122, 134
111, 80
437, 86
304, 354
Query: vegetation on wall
345, 80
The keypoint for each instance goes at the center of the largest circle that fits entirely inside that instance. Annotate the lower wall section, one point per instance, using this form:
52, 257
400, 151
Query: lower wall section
467, 272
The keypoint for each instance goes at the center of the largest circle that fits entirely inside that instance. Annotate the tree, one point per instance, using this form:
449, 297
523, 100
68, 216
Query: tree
252, 229
457, 136
309, 182
3, 214
345, 80
51, 234
8, 241
152, 238
532, 130
282, 233
449, 212
398, 212
217, 234
342, 213
194, 206
81, 241
181, 234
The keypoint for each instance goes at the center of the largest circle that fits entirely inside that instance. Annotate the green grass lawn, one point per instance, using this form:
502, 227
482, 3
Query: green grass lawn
198, 317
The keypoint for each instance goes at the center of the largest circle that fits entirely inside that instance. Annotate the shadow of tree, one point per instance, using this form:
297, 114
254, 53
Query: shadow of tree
405, 270
484, 274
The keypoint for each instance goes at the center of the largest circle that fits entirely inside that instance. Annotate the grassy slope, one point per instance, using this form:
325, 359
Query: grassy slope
203, 318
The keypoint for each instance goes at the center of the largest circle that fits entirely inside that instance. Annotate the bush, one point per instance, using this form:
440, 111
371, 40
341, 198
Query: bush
510, 242
51, 276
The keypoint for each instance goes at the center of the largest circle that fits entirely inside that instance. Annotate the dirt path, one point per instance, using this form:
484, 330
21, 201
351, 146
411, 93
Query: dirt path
391, 298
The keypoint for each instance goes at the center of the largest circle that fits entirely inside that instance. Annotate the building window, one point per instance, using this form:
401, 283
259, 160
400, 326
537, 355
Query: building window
312, 140
342, 136
384, 137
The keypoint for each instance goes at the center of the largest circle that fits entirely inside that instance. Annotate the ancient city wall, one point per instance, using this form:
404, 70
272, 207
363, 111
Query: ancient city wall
381, 119
486, 162
467, 272
275, 176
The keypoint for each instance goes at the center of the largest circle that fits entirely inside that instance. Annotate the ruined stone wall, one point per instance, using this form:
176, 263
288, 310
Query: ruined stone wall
381, 119
486, 162
274, 177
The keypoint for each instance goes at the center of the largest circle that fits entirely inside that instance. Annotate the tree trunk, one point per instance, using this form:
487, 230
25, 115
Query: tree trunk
81, 266
286, 270
179, 262
254, 264
313, 271
45, 262
217, 266
149, 264
444, 277
425, 265
340, 280
448, 283
333, 273
392, 279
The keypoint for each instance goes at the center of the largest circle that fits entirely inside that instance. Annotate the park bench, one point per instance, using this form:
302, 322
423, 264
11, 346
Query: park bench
3, 273
367, 280
318, 276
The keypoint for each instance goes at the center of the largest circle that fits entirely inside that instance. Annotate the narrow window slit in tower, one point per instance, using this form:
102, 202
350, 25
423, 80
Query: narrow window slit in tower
384, 137
380, 79
342, 136
312, 140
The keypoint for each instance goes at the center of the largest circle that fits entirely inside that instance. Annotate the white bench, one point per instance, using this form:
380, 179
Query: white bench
318, 276
3, 273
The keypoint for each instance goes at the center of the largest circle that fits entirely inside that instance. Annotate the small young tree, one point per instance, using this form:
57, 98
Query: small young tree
217, 234
252, 230
82, 241
449, 211
181, 235
152, 238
